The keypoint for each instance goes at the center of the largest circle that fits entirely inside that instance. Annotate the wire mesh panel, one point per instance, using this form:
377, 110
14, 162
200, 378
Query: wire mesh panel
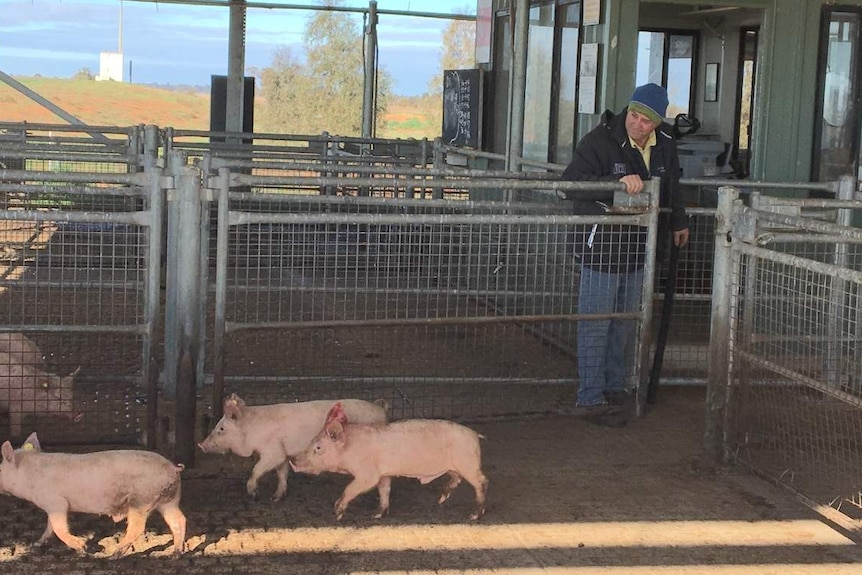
76, 314
445, 308
65, 148
796, 406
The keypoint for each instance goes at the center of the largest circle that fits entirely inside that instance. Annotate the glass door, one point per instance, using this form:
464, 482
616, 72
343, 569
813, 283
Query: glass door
838, 119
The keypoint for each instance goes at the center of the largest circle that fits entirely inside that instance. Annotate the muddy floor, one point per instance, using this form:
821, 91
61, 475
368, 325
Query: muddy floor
567, 495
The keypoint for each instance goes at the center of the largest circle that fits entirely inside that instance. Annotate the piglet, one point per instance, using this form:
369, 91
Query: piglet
26, 389
124, 484
278, 431
422, 448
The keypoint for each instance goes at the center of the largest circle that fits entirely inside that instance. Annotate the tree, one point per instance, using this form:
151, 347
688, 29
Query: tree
84, 74
457, 50
326, 93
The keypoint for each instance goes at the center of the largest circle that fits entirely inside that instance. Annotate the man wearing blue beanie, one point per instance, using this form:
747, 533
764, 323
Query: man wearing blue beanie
628, 147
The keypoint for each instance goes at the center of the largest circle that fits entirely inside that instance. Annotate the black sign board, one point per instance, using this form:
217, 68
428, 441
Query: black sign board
218, 105
462, 107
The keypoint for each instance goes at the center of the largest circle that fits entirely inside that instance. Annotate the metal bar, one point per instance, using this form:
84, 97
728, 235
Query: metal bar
243, 218
45, 103
427, 321
312, 7
331, 164
137, 179
805, 380
800, 262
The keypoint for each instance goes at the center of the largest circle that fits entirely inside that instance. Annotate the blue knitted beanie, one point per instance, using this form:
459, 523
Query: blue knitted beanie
651, 101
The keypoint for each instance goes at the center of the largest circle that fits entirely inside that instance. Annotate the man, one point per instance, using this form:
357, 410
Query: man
630, 147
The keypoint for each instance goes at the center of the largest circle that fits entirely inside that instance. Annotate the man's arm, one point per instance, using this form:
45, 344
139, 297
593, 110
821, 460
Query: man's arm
678, 218
587, 166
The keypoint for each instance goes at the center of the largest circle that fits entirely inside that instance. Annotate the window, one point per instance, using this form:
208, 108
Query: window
667, 58
566, 88
537, 101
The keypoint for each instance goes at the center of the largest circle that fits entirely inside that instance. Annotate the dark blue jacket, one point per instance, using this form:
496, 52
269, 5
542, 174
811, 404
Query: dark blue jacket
605, 155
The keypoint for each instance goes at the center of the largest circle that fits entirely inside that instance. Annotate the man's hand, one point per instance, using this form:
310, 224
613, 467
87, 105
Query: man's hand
634, 184
680, 238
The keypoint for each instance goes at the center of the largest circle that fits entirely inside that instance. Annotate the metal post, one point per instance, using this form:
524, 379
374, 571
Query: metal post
221, 291
369, 96
152, 300
518, 85
651, 193
182, 325
151, 146
235, 69
834, 367
719, 347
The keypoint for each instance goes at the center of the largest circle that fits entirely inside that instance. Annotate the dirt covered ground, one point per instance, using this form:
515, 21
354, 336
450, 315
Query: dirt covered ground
566, 496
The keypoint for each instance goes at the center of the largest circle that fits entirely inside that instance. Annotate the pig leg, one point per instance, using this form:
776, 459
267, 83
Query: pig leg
480, 483
454, 481
58, 522
136, 522
384, 486
358, 486
267, 462
281, 471
46, 535
176, 521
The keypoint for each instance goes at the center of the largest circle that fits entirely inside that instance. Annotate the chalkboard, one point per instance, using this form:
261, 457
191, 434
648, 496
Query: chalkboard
462, 108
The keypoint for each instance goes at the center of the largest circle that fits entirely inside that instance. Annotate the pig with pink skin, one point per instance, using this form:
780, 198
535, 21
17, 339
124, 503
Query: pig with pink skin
373, 454
26, 389
277, 432
124, 484
22, 348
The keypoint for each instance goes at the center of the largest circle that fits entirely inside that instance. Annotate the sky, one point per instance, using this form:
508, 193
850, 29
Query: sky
186, 45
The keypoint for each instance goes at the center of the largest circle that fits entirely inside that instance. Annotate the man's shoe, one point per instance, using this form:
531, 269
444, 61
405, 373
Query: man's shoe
618, 397
596, 409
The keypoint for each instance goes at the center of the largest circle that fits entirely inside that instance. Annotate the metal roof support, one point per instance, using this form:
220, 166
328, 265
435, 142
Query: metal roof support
518, 83
369, 95
235, 68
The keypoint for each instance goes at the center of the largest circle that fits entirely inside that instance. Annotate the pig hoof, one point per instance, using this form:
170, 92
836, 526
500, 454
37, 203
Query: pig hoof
380, 513
477, 514
443, 497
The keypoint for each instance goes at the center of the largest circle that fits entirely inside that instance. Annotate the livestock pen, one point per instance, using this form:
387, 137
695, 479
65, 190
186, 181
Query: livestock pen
450, 293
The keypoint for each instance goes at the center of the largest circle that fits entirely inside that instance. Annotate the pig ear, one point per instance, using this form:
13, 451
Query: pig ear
8, 452
335, 430
336, 413
233, 406
32, 443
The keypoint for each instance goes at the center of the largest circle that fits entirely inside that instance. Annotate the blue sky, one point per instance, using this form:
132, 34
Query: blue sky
178, 44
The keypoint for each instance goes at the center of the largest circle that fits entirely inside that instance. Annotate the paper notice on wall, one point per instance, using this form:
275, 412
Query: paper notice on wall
592, 12
588, 81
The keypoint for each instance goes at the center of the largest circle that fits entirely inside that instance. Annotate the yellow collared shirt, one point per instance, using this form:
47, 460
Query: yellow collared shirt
646, 151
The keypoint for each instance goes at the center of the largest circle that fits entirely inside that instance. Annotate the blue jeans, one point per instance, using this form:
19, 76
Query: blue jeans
606, 347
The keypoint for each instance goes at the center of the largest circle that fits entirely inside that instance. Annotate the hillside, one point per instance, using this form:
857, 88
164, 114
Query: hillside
116, 104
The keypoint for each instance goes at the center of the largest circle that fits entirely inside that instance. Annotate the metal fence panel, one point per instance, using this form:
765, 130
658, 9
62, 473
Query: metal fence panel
80, 281
796, 409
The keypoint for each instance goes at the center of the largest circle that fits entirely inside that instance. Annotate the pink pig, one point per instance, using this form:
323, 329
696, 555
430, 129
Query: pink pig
22, 349
125, 484
422, 448
27, 389
276, 432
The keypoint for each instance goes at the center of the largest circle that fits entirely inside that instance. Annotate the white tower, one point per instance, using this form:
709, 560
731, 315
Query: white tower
111, 63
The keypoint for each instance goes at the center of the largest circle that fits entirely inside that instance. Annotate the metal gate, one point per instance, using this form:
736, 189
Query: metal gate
81, 236
794, 389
